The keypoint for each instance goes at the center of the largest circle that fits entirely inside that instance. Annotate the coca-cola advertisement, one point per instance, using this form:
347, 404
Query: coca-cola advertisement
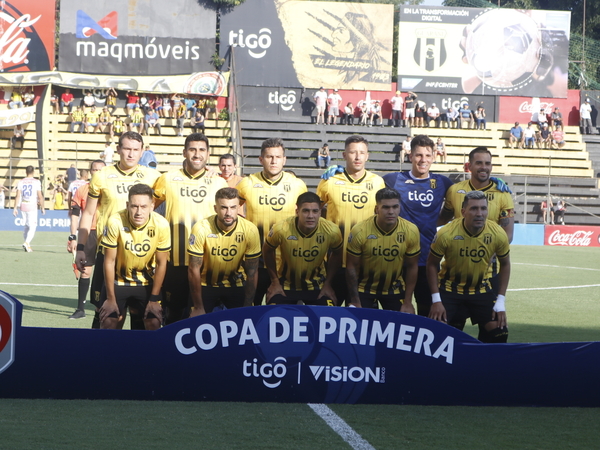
571, 236
27, 35
524, 109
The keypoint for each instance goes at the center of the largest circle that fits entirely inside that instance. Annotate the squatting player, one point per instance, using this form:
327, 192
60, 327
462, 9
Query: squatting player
383, 251
462, 288
269, 196
349, 197
189, 194
219, 246
136, 245
304, 240
422, 195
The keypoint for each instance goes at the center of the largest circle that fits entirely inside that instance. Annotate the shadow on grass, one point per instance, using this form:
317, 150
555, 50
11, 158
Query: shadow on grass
42, 304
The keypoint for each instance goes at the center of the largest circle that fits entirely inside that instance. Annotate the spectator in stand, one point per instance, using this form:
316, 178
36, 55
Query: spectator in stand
228, 170
66, 100
59, 194
529, 135
77, 117
144, 103
28, 97
111, 100
167, 107
420, 113
466, 115
190, 106
152, 121
137, 120
440, 150
16, 99
118, 127
334, 100
104, 121
323, 156
397, 104
405, 153
348, 116
433, 113
544, 208
375, 114
54, 102
452, 116
364, 112
410, 104
542, 119
107, 154
132, 102
320, 99
544, 138
516, 135
481, 123
18, 136
585, 112
197, 122
89, 100
561, 207
180, 114
91, 120
176, 101
558, 137
557, 119
212, 107
158, 106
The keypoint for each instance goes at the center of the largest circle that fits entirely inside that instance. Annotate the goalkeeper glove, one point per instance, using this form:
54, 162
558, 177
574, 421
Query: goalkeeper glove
501, 185
331, 171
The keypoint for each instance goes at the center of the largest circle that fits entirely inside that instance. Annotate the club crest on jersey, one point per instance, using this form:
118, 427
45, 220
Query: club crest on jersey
287, 187
151, 232
369, 186
239, 237
490, 196
487, 239
432, 183
320, 238
400, 237
139, 175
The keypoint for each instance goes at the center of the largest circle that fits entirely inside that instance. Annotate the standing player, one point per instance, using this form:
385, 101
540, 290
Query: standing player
29, 196
218, 247
463, 287
305, 240
422, 195
189, 195
77, 206
74, 185
137, 243
269, 196
381, 264
349, 197
108, 193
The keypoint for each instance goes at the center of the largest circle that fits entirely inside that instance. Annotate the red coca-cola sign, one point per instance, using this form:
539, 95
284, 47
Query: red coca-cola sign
27, 35
521, 109
572, 236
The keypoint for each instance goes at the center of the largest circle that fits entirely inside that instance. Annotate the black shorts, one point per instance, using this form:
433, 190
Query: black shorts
133, 297
310, 298
177, 293
218, 296
478, 307
90, 249
389, 302
422, 293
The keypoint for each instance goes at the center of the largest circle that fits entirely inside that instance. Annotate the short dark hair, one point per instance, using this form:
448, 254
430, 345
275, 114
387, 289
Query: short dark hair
478, 150
387, 194
196, 137
96, 161
141, 189
227, 156
132, 135
271, 143
227, 193
308, 197
473, 195
355, 138
84, 173
29, 170
421, 141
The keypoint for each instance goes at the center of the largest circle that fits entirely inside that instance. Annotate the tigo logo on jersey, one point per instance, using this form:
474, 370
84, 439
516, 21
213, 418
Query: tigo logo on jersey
7, 332
105, 27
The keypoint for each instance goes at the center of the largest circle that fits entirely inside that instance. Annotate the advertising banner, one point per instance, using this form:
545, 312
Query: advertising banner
11, 117
524, 109
50, 221
310, 44
483, 51
572, 235
27, 35
298, 354
115, 37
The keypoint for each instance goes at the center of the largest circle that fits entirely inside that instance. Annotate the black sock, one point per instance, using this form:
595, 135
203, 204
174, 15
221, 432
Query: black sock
96, 321
82, 289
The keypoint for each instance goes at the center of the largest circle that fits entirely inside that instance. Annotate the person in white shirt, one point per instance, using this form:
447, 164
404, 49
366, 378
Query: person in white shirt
397, 103
320, 99
107, 154
334, 101
585, 112
29, 196
433, 113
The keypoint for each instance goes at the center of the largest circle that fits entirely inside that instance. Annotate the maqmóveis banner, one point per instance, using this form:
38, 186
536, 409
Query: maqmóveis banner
136, 38
571, 236
204, 83
483, 51
27, 35
310, 44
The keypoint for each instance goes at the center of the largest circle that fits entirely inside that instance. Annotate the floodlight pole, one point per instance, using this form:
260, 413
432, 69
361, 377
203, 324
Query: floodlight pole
583, 40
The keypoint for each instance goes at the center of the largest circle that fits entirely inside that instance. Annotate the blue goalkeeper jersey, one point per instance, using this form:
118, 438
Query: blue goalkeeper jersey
421, 202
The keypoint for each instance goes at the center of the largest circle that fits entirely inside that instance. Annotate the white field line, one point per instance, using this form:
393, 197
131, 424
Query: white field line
558, 267
2, 283
338, 425
553, 288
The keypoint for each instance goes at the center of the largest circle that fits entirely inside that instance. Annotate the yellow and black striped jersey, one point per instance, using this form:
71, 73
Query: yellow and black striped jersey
222, 252
500, 204
349, 201
382, 254
188, 199
466, 266
268, 202
135, 262
302, 266
111, 187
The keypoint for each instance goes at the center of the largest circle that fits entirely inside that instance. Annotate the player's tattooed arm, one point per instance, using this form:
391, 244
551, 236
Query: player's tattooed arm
251, 269
195, 280
508, 224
